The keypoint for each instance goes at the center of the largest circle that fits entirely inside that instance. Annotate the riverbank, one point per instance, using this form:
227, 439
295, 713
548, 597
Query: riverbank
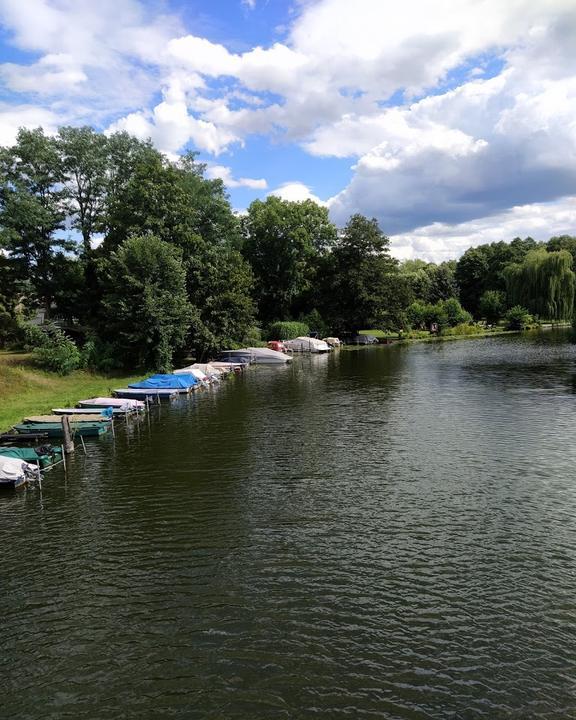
25, 390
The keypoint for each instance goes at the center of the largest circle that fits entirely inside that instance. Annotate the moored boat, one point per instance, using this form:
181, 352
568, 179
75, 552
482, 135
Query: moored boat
124, 404
145, 395
307, 344
53, 430
181, 383
45, 455
15, 474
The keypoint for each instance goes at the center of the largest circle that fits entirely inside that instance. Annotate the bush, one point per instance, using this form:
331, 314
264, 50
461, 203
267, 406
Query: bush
31, 337
59, 354
286, 330
253, 338
493, 305
464, 329
99, 355
517, 318
315, 323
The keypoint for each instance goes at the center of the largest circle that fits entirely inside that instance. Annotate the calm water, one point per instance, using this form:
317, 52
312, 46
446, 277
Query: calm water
383, 533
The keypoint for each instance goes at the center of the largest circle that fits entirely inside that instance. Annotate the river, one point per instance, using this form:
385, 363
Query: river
381, 533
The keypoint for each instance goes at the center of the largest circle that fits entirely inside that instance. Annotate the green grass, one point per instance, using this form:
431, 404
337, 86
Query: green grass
25, 390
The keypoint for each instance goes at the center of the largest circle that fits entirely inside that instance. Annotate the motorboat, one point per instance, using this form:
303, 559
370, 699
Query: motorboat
123, 404
200, 375
243, 356
16, 474
44, 455
146, 394
80, 412
259, 355
277, 345
334, 342
307, 344
182, 383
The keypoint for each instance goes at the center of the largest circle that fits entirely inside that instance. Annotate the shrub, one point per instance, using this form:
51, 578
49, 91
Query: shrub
517, 318
31, 337
99, 355
253, 338
287, 330
493, 305
59, 354
315, 323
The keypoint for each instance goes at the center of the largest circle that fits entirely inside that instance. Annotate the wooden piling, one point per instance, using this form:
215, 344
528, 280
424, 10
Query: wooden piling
68, 442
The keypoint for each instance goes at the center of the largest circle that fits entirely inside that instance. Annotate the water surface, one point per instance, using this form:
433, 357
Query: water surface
382, 533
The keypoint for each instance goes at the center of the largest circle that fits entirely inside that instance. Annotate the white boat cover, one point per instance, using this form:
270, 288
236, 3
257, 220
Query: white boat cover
190, 370
307, 344
12, 469
267, 356
112, 402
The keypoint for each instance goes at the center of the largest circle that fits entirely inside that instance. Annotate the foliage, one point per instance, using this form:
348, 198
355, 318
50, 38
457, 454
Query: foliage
446, 313
361, 285
484, 268
146, 309
32, 210
315, 322
544, 283
492, 305
283, 242
286, 330
58, 354
98, 355
518, 318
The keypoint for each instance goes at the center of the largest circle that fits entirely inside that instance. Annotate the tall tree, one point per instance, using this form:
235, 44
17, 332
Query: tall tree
544, 283
283, 241
145, 309
32, 210
362, 285
83, 154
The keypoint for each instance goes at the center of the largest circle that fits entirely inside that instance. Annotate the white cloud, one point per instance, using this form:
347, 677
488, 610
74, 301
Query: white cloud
295, 192
13, 117
440, 241
225, 174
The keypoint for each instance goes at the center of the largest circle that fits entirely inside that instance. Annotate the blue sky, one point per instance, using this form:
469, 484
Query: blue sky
453, 123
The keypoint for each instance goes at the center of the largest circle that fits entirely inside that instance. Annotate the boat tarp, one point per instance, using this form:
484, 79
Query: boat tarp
166, 382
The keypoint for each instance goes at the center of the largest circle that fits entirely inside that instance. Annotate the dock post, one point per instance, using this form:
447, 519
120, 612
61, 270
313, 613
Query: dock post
68, 442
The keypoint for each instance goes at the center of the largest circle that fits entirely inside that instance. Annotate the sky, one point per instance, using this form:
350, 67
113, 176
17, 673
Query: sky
452, 122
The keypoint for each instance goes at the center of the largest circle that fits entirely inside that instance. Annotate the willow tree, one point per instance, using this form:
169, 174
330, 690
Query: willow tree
544, 283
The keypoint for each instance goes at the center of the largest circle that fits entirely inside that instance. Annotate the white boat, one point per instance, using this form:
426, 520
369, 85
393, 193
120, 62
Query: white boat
307, 344
113, 402
198, 374
214, 373
257, 355
332, 341
16, 474
88, 410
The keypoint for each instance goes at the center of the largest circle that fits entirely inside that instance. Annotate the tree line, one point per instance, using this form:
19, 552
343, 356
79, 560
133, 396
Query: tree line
144, 261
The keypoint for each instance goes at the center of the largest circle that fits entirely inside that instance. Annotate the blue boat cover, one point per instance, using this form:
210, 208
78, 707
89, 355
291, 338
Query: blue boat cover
166, 382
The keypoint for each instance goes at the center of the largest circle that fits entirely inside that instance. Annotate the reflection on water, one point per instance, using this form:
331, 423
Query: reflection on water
386, 532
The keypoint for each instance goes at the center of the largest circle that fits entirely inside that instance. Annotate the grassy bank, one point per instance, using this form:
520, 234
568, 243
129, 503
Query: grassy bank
25, 390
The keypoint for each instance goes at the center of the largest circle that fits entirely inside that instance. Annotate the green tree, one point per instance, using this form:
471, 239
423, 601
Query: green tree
492, 305
282, 242
362, 287
84, 158
32, 211
544, 283
145, 307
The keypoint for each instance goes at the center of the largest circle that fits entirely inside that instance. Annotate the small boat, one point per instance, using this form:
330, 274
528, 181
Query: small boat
91, 410
45, 455
181, 383
143, 394
15, 474
227, 366
277, 345
124, 404
74, 420
334, 342
237, 357
307, 344
256, 355
213, 374
200, 375
53, 430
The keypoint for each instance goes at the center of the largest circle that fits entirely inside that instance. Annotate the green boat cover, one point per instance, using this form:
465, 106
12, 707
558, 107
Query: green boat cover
47, 455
